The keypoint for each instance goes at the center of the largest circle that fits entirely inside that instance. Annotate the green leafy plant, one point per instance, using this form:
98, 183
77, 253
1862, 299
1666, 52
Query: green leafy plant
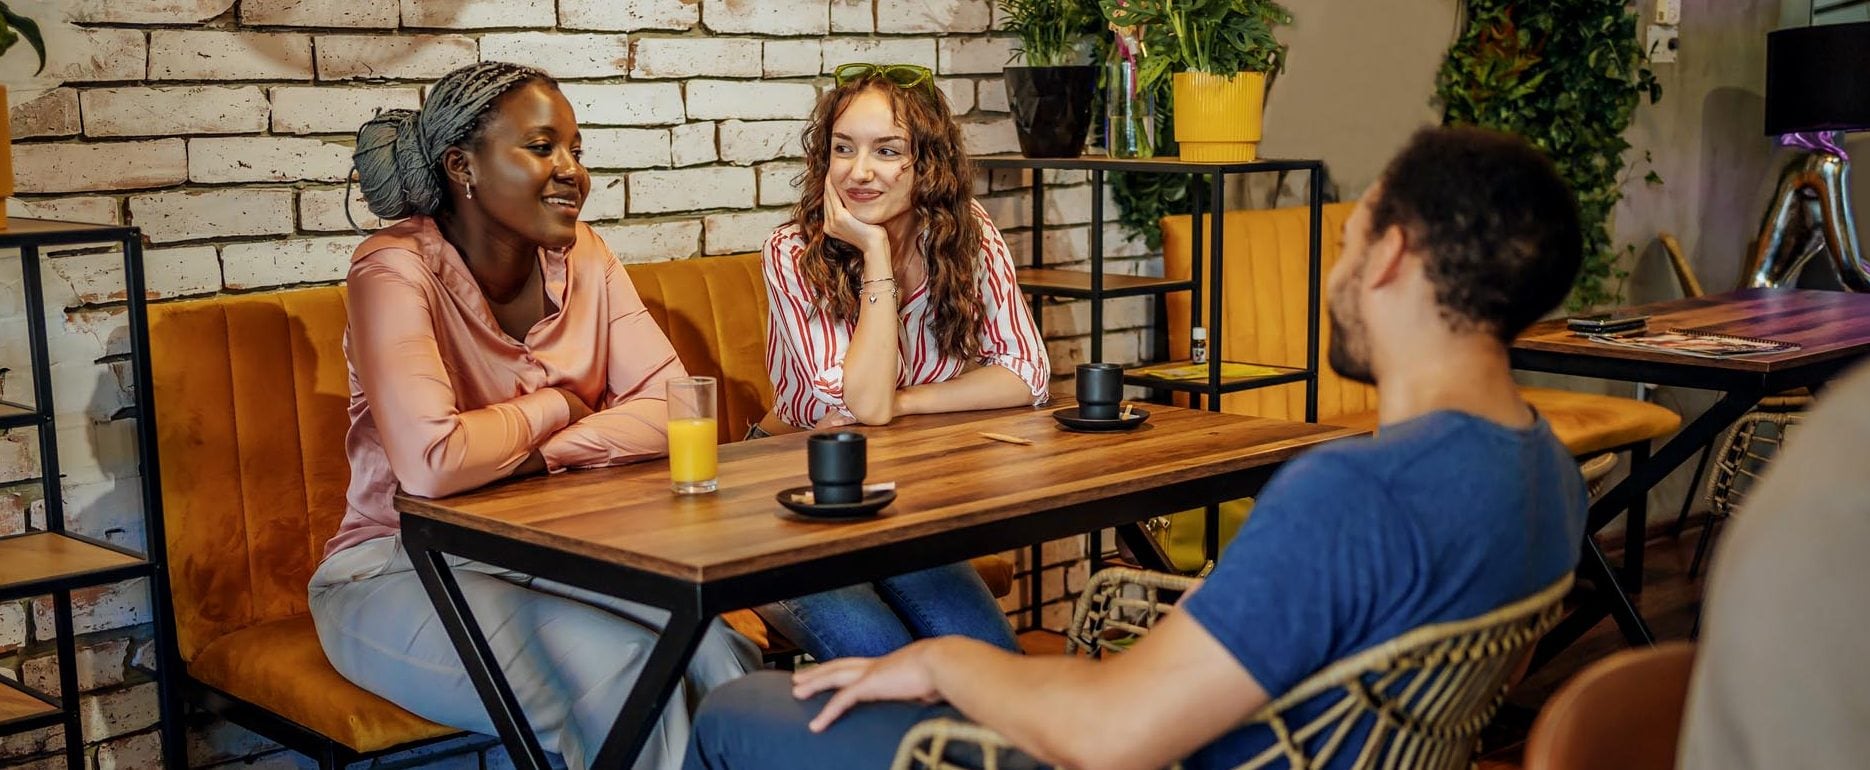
1051, 32
14, 27
1567, 75
1219, 37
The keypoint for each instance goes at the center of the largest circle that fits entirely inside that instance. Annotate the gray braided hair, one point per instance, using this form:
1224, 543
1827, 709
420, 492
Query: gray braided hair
399, 151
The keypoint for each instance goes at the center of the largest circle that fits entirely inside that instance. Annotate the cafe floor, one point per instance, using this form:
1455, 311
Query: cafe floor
1670, 601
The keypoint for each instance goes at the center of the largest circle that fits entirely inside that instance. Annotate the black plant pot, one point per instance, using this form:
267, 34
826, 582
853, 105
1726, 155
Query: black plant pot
1051, 108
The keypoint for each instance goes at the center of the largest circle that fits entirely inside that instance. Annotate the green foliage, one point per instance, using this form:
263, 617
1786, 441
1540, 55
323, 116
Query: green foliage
1219, 37
1567, 75
1050, 31
14, 27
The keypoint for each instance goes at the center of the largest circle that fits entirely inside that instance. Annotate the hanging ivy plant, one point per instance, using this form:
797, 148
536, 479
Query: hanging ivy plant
1567, 75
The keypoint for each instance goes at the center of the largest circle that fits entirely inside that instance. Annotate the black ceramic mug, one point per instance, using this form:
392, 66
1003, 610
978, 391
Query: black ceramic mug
835, 462
1100, 391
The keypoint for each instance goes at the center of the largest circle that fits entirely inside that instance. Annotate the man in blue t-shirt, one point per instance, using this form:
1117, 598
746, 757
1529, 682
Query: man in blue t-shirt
1465, 503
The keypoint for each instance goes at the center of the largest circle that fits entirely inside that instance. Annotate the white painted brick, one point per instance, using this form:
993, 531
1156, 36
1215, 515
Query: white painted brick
741, 231
143, 750
52, 113
102, 451
625, 104
33, 742
875, 50
145, 11
173, 111
792, 58
653, 241
13, 507
749, 100
779, 183
478, 14
694, 189
745, 143
933, 16
767, 17
58, 168
692, 144
12, 625
988, 137
187, 216
80, 55
607, 200
686, 57
333, 109
279, 263
100, 665
320, 13
975, 55
1074, 318
19, 457
858, 16
322, 211
267, 159
95, 210
118, 605
992, 95
563, 56
608, 148
119, 712
613, 16
395, 57
960, 94
168, 273
90, 334
176, 54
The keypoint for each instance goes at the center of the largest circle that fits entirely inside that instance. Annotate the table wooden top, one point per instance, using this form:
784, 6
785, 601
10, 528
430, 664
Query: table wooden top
1826, 325
947, 477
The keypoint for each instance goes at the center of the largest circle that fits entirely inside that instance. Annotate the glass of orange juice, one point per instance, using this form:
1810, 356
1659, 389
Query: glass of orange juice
693, 436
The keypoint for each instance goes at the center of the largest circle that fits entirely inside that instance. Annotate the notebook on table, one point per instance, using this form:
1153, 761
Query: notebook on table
1694, 342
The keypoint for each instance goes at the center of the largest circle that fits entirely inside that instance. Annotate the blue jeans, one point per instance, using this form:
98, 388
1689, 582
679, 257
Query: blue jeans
870, 620
754, 723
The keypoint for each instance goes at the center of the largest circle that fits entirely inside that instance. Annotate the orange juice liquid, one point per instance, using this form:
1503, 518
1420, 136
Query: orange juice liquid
692, 448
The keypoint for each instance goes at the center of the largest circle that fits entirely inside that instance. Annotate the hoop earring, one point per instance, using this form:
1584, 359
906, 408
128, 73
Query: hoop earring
470, 191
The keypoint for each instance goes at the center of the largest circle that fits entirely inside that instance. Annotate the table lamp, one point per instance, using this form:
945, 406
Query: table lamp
1817, 88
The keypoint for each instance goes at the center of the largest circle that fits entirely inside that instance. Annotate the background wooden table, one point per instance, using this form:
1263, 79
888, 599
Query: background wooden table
621, 531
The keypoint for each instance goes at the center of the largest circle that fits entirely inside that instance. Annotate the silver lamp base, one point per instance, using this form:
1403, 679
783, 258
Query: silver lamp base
1811, 211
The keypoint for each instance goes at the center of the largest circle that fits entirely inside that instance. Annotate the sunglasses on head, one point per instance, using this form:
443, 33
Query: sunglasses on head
900, 75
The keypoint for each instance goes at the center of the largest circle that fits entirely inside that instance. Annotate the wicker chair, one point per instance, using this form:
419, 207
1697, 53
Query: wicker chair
1740, 457
1426, 693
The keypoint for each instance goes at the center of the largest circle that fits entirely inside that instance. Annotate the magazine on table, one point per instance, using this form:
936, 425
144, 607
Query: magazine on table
1693, 342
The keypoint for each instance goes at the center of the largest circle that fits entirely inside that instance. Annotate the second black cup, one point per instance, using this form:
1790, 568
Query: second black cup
835, 463
1100, 391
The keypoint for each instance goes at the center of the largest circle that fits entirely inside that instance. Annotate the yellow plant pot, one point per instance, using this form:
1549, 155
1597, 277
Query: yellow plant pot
6, 157
1218, 118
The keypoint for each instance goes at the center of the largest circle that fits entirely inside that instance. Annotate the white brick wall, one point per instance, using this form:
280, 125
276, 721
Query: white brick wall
223, 128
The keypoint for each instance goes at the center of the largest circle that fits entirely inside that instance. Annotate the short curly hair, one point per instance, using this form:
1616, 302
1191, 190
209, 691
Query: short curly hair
1497, 225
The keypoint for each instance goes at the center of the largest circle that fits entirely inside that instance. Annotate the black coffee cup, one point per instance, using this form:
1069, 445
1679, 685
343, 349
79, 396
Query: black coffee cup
835, 463
1100, 391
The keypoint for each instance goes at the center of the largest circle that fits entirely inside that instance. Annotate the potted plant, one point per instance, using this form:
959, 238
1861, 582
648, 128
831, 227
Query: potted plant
1052, 95
13, 28
1221, 53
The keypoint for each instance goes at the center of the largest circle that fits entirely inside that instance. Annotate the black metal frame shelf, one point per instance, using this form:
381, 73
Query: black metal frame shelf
1040, 282
1287, 375
73, 561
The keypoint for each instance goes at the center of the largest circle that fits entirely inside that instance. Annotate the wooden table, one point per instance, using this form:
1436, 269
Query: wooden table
620, 531
1831, 328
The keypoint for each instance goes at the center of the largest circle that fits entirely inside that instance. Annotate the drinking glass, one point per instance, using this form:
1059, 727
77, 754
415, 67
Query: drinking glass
694, 466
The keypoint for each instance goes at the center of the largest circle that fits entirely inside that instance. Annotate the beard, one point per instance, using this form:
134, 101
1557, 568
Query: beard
1349, 353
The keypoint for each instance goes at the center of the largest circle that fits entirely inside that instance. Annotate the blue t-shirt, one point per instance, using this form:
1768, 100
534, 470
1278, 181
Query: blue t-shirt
1444, 517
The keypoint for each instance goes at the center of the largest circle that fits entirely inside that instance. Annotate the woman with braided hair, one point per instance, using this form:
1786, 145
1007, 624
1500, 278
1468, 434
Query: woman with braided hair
492, 335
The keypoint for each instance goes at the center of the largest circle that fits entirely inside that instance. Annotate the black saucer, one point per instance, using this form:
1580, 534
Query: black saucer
1069, 418
869, 505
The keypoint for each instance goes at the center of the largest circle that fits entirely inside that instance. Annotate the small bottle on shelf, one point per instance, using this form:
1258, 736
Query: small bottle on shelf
1198, 345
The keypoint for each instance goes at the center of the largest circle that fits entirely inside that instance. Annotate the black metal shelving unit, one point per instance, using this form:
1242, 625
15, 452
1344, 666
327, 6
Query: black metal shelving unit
56, 561
1039, 281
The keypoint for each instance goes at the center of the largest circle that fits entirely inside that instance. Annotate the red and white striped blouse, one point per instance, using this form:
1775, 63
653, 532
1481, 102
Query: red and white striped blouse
805, 346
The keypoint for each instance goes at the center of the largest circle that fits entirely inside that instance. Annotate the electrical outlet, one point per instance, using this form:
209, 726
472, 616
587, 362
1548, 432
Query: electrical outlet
1663, 42
1668, 12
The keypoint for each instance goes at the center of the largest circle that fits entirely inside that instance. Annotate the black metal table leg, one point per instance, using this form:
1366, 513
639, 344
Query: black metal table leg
1636, 526
482, 669
675, 646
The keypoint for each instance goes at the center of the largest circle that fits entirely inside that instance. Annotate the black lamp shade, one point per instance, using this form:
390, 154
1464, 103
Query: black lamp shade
1818, 78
